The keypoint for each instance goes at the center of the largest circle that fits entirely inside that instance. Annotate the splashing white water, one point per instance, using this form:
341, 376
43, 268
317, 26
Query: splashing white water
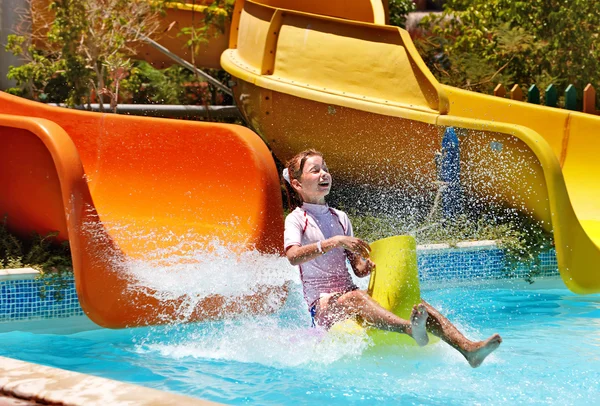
190, 271
261, 340
218, 270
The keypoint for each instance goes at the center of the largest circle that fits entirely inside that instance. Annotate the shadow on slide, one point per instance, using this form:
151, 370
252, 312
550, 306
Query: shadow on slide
125, 189
361, 93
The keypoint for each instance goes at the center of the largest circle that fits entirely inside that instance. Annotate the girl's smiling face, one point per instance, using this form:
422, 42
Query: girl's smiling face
315, 182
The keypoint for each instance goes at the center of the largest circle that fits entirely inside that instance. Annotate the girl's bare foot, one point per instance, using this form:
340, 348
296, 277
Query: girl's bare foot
482, 349
418, 322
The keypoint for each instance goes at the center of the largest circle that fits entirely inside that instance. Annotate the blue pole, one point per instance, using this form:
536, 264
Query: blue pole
452, 196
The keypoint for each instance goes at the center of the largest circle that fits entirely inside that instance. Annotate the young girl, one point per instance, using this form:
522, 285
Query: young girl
319, 239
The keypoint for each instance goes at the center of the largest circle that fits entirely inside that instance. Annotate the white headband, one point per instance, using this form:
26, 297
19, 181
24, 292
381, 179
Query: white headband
286, 175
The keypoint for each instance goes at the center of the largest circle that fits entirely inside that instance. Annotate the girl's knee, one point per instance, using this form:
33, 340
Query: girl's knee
354, 298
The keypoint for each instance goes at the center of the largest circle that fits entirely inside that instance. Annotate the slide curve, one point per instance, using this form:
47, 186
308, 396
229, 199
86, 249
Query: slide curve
360, 92
123, 188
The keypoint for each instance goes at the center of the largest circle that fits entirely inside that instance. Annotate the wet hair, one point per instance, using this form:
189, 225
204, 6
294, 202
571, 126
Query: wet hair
295, 166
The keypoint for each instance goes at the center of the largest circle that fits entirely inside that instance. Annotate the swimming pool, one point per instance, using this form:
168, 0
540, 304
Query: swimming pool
550, 354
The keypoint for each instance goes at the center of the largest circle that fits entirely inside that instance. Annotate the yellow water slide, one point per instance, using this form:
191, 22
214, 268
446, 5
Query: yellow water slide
180, 14
359, 91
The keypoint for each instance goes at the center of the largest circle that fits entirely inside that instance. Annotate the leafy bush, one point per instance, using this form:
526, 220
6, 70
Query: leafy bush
84, 47
475, 44
173, 85
82, 55
43, 253
398, 10
522, 238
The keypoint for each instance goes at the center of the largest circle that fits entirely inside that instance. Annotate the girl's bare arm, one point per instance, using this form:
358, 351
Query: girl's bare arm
297, 254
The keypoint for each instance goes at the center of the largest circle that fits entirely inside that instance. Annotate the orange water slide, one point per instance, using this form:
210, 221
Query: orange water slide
120, 187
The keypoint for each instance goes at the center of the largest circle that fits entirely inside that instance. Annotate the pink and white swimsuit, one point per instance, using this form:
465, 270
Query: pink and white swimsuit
327, 273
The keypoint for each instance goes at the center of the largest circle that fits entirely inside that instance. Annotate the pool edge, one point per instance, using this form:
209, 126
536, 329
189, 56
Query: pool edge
48, 385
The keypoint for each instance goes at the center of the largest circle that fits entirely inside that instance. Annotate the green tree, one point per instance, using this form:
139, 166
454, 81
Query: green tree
216, 17
475, 44
398, 10
83, 50
173, 85
84, 47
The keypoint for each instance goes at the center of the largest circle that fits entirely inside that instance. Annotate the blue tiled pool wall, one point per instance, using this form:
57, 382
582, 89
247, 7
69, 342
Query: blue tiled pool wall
21, 300
475, 263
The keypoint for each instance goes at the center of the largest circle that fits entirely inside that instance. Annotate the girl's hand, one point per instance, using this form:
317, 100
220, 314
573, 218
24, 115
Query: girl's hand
369, 265
352, 244
361, 266
364, 268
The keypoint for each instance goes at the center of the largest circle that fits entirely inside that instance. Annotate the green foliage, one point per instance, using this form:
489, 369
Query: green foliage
43, 78
54, 71
82, 51
398, 10
216, 15
174, 85
521, 238
146, 84
475, 44
42, 253
84, 54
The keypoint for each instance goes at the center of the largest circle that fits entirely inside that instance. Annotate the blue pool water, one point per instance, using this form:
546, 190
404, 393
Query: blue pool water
550, 354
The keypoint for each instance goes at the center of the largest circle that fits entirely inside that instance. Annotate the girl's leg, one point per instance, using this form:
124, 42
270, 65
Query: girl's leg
474, 352
359, 303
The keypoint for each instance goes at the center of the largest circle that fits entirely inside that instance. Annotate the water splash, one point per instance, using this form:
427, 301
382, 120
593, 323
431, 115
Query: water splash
192, 276
266, 340
216, 270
